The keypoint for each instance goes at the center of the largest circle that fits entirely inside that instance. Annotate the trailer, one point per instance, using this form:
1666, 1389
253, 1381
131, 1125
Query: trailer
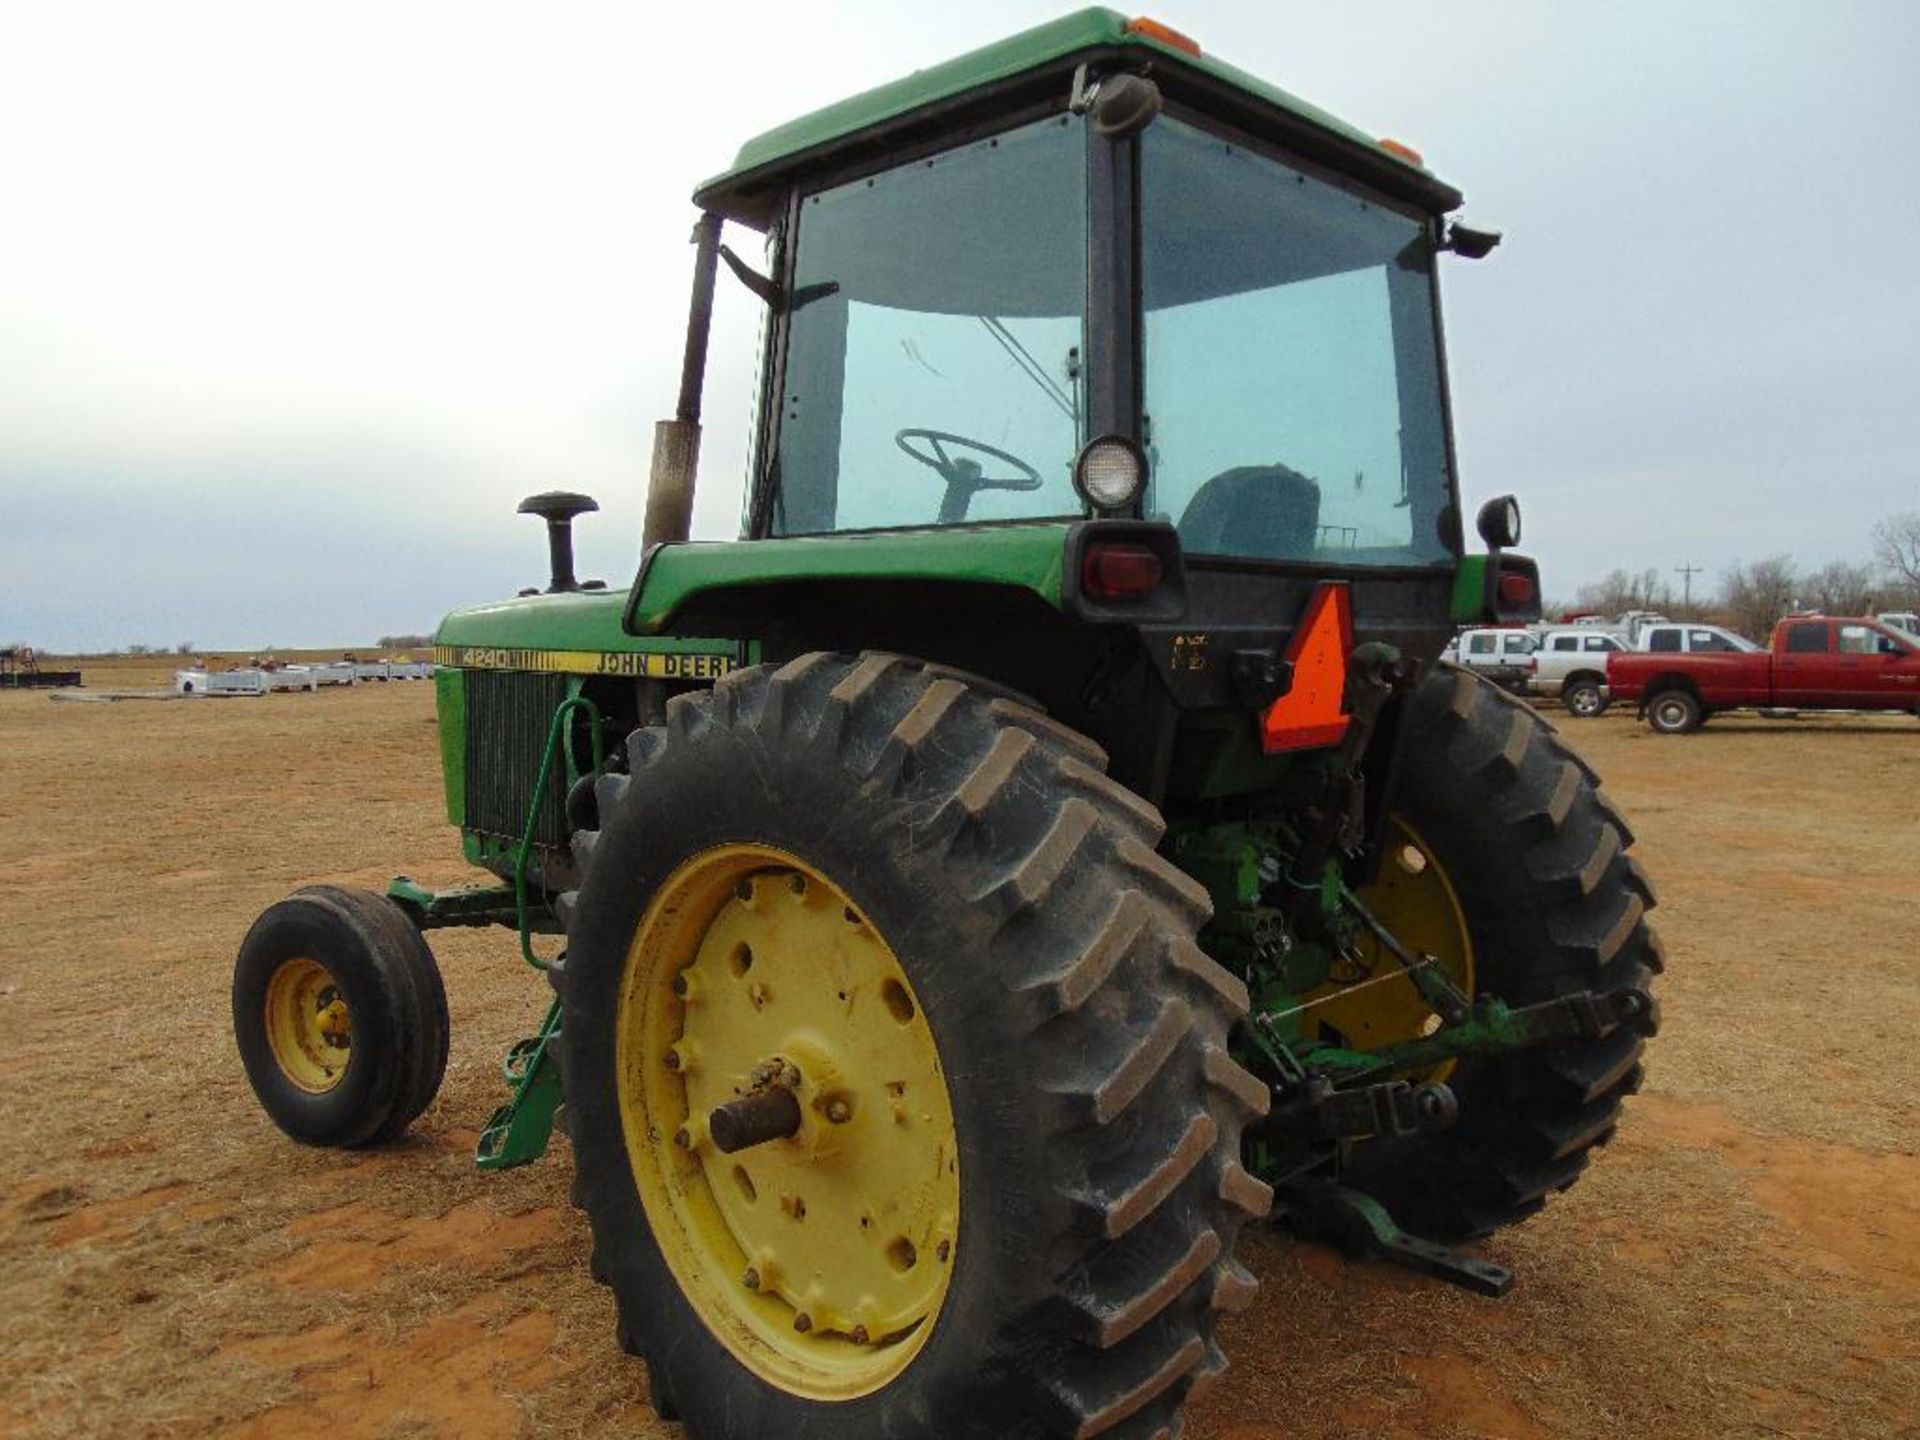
220, 682
336, 672
20, 670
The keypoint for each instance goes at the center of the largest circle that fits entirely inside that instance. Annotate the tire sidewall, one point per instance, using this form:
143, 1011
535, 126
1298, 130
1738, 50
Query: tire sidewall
714, 793
1673, 712
306, 927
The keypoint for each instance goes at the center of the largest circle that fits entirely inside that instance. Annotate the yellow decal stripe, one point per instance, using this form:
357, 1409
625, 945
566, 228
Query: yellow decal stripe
652, 665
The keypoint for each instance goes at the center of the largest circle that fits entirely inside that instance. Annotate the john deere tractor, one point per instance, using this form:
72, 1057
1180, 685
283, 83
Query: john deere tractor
1046, 840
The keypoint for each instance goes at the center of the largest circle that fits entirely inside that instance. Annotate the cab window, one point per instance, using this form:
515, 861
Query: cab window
1857, 640
933, 349
1480, 644
1666, 641
1601, 643
1562, 643
1707, 640
1807, 639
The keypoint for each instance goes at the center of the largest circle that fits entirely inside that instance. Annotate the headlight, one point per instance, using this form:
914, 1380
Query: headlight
1110, 473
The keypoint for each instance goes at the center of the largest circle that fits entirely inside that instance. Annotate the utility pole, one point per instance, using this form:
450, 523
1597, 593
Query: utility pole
1686, 574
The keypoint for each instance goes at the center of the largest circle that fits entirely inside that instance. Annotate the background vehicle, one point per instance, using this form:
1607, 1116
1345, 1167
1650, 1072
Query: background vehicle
1501, 657
1571, 663
1671, 639
1814, 662
1905, 620
981, 898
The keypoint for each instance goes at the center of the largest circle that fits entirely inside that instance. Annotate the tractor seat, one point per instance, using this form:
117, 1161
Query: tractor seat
1264, 510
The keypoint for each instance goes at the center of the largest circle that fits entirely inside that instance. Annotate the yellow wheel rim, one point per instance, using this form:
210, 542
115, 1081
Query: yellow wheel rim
1415, 900
821, 1261
309, 1025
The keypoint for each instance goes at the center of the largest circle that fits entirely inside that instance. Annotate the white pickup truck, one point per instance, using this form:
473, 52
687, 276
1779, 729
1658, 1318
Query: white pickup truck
1497, 655
1571, 663
1693, 640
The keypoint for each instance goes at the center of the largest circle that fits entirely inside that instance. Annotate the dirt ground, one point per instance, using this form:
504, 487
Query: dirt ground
1744, 1259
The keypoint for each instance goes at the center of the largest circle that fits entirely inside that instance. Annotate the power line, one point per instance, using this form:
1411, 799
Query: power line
1686, 574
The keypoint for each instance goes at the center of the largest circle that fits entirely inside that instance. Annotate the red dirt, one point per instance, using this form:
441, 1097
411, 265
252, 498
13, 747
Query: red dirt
1742, 1261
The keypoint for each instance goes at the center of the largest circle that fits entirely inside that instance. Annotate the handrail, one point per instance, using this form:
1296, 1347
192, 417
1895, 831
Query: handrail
556, 736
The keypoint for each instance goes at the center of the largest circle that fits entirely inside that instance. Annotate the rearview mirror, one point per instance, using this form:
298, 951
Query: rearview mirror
1499, 522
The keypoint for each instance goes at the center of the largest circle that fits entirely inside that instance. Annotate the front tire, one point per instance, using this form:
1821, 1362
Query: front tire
340, 1016
1046, 952
1552, 903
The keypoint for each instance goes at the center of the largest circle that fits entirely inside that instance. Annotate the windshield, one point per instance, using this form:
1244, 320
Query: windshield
933, 361
1291, 361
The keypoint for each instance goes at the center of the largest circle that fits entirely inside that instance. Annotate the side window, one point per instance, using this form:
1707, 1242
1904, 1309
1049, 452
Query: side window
1664, 640
1519, 644
1707, 640
1857, 640
1562, 643
1599, 644
1480, 644
1807, 639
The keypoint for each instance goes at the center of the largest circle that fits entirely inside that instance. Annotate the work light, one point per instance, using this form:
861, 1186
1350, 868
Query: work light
1110, 473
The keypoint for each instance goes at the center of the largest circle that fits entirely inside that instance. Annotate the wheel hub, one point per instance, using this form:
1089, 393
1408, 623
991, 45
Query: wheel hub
808, 1198
309, 1025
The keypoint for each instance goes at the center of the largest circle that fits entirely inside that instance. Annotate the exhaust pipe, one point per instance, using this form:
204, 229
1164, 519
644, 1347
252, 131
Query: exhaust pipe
676, 442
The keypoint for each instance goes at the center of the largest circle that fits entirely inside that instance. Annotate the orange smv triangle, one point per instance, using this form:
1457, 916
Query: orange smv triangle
1313, 712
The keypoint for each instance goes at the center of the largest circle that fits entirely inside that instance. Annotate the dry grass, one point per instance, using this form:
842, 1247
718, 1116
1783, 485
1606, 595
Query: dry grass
1740, 1263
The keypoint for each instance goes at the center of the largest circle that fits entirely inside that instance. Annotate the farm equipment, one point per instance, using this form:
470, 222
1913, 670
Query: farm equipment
20, 670
1045, 841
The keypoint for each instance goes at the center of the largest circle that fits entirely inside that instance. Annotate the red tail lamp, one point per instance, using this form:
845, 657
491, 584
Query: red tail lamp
1516, 589
1114, 571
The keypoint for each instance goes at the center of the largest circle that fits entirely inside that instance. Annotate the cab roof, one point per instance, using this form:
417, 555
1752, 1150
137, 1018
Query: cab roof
1000, 77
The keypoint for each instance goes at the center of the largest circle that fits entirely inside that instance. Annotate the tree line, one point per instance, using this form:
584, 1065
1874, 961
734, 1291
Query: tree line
1750, 596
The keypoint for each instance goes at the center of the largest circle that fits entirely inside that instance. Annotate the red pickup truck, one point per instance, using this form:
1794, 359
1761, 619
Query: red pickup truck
1814, 662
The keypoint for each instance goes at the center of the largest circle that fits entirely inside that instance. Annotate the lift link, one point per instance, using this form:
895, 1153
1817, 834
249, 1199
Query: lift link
1316, 1111
520, 1129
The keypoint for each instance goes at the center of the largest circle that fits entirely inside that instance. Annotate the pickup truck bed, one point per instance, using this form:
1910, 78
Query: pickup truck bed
1813, 663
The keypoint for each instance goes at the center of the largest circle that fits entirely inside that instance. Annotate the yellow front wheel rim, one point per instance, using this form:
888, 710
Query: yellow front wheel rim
309, 1025
821, 1261
1413, 898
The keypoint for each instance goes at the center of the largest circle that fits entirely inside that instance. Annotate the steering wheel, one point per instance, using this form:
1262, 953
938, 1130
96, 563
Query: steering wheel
964, 477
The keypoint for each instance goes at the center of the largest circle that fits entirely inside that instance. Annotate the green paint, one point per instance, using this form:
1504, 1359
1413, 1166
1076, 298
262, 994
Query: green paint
1053, 43
1030, 556
488, 904
556, 742
1469, 604
450, 704
519, 1130
581, 620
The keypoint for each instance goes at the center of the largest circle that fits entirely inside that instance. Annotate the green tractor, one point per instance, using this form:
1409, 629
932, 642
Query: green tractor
1046, 840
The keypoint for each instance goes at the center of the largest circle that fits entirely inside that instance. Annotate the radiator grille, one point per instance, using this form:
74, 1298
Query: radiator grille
508, 714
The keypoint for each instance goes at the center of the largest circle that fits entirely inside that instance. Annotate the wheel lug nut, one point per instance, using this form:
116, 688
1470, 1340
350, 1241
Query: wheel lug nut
751, 1279
839, 1112
673, 1061
680, 986
803, 1322
683, 1137
944, 1250
859, 1336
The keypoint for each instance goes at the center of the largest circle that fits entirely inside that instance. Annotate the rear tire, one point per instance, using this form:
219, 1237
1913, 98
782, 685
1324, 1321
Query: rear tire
1553, 904
1082, 1035
1675, 712
1585, 699
340, 1016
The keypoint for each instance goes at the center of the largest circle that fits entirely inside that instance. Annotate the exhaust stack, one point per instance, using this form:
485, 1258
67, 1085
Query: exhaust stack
676, 442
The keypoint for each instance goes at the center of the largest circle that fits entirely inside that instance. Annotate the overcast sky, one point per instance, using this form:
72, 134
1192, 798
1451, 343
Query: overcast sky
297, 301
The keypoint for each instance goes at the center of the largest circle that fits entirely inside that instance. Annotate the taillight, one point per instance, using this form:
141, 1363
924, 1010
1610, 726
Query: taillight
1516, 589
1120, 572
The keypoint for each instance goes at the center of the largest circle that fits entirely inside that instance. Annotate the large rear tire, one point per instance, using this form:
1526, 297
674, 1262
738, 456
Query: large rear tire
1552, 903
1046, 972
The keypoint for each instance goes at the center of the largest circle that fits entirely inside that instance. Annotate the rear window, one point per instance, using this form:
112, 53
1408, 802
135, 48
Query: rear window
1807, 639
1666, 640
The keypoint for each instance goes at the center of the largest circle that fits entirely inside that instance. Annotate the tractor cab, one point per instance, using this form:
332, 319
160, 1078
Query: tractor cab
1237, 300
